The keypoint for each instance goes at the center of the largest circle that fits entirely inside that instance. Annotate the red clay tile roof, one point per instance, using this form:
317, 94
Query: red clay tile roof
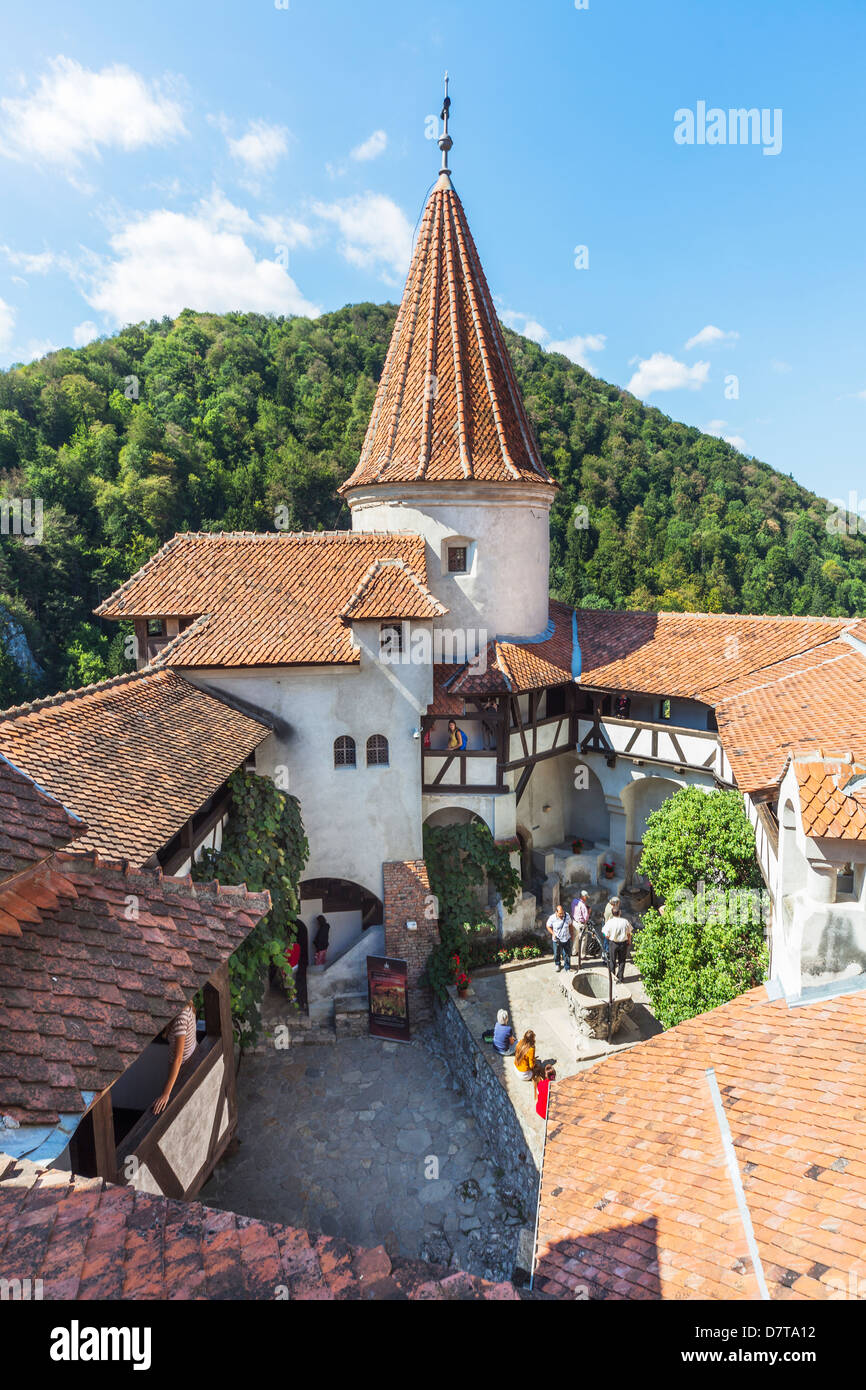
819, 696
268, 600
531, 665
33, 825
84, 987
637, 1200
689, 654
448, 407
134, 757
88, 1240
389, 589
832, 796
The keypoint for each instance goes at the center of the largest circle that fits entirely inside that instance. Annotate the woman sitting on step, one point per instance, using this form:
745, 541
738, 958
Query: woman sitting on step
524, 1055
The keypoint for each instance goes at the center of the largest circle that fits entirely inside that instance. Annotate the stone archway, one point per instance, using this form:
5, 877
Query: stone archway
640, 798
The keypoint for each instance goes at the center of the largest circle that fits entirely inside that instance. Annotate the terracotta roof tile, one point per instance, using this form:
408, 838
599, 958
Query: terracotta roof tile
33, 824
88, 1240
134, 757
84, 987
637, 1198
261, 600
832, 799
448, 407
690, 654
389, 589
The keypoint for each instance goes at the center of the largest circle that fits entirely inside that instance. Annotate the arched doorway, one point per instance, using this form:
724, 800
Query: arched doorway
349, 908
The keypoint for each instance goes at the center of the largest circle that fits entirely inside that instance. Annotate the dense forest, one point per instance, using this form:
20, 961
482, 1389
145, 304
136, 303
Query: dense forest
212, 422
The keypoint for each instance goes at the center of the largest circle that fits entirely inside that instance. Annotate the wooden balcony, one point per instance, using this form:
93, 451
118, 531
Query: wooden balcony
698, 750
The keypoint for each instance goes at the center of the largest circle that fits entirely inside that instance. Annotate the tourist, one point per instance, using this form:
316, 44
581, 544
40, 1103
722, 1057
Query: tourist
524, 1056
617, 930
542, 1078
182, 1039
559, 926
456, 737
612, 909
504, 1040
321, 939
580, 910
623, 707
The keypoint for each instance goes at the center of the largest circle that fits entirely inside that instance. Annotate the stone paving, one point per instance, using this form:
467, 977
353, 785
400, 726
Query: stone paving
348, 1139
534, 999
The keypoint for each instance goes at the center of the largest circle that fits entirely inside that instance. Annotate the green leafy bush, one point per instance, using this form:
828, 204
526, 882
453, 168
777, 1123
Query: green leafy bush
264, 846
461, 859
706, 944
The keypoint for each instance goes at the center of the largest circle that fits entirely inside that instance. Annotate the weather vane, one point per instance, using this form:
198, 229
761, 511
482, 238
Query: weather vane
445, 141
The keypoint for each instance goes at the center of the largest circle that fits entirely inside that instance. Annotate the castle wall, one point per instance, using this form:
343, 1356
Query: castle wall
505, 591
354, 818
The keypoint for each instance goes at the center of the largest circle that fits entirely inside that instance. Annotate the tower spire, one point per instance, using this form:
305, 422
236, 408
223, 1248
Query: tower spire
445, 141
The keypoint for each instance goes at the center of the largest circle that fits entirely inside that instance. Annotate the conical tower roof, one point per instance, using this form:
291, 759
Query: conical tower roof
448, 407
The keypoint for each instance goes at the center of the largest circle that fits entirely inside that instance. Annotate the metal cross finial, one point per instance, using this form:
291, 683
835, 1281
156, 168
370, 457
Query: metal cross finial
445, 141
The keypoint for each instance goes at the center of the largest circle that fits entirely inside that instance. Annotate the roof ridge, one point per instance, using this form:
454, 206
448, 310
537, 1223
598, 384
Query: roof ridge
63, 697
205, 890
378, 565
157, 555
43, 791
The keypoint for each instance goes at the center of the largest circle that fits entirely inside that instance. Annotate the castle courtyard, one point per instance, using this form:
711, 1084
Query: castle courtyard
370, 1141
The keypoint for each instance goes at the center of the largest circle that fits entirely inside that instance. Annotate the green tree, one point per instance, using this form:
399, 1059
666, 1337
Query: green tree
706, 944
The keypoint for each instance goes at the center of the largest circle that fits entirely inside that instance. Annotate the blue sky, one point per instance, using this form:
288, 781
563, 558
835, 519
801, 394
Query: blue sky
232, 154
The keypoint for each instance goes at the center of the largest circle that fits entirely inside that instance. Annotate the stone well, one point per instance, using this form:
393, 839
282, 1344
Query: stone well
587, 993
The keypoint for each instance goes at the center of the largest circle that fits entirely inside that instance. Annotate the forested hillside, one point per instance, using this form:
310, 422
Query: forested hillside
211, 422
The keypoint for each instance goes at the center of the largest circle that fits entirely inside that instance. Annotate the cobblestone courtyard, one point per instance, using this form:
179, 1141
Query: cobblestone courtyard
370, 1141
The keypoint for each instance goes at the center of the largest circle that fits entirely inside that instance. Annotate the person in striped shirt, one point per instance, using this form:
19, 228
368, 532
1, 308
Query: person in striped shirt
181, 1034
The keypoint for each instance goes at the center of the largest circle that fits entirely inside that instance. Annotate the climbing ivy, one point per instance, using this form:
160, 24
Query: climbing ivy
460, 859
263, 846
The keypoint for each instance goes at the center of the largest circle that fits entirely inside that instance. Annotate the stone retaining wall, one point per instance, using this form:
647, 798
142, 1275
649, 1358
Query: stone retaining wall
517, 1152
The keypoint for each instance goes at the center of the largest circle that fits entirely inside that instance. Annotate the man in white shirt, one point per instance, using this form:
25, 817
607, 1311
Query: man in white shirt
559, 924
617, 930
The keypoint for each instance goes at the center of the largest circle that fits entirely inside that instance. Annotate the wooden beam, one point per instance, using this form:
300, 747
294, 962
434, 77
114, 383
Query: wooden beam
102, 1116
523, 783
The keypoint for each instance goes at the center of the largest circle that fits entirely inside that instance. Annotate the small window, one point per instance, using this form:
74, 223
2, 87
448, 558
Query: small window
665, 709
457, 559
390, 640
344, 751
155, 627
377, 751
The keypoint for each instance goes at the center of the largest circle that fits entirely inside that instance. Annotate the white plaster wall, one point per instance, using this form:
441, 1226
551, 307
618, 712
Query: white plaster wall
506, 592
354, 818
497, 811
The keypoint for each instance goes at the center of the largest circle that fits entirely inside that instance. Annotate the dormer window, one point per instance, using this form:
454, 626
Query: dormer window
457, 559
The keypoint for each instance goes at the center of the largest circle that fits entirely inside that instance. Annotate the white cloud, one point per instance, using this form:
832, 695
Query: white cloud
84, 333
35, 348
261, 148
75, 112
661, 372
33, 263
709, 335
376, 233
371, 148
717, 427
861, 395
7, 325
167, 261
577, 348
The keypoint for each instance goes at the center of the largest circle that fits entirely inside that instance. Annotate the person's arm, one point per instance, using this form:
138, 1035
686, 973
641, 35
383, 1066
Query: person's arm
176, 1063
